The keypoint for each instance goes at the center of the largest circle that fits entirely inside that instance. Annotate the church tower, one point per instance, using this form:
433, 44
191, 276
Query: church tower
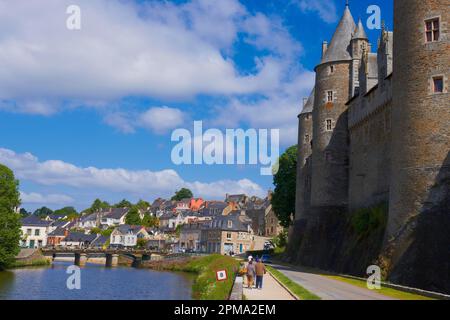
420, 125
330, 133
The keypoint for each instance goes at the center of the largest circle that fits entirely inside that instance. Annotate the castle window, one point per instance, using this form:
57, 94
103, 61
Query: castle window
328, 125
306, 138
331, 69
329, 96
432, 30
438, 84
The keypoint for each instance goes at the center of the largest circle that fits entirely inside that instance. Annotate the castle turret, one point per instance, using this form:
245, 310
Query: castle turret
385, 55
330, 134
420, 133
303, 190
359, 45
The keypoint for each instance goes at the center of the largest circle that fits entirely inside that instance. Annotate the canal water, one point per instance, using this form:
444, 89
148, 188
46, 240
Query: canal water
97, 283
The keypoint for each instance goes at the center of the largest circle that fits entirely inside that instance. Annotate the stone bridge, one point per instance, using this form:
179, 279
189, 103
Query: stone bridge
111, 255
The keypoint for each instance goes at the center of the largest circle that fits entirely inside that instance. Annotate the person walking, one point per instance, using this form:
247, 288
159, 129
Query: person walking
250, 273
260, 271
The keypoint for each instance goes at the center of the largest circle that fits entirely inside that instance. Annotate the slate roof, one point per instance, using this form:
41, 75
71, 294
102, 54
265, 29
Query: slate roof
359, 33
127, 229
100, 240
58, 232
80, 237
116, 213
34, 221
338, 50
240, 223
309, 105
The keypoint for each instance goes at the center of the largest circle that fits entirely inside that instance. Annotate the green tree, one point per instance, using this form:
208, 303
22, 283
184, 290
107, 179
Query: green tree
141, 243
43, 212
96, 231
24, 213
123, 204
70, 212
150, 221
98, 205
107, 232
10, 233
133, 218
182, 194
143, 205
283, 198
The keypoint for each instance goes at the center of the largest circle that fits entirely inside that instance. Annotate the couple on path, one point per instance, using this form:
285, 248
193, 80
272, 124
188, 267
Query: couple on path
257, 269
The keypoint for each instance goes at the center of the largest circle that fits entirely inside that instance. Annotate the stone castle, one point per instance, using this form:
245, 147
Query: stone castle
375, 134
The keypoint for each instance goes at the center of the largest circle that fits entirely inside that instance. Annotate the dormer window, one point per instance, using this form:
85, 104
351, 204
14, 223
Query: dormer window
230, 224
329, 96
432, 30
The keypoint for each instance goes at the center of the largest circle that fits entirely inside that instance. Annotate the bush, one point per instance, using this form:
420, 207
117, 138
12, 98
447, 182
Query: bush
366, 220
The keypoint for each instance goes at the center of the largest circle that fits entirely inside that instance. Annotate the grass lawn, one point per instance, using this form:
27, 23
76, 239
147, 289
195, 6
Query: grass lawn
32, 263
384, 290
205, 286
295, 288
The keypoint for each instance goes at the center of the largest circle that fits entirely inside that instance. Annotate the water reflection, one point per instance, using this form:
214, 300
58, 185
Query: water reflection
97, 283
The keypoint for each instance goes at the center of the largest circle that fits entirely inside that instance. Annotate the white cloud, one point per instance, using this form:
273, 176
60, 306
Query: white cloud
155, 49
325, 8
50, 199
161, 119
278, 110
142, 183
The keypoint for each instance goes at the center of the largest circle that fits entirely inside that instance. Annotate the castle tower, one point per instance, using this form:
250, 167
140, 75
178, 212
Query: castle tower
330, 133
359, 45
420, 118
303, 190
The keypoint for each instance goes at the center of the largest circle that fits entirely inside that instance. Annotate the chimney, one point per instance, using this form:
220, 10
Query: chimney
324, 48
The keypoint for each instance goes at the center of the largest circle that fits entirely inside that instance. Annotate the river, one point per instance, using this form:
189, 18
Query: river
97, 283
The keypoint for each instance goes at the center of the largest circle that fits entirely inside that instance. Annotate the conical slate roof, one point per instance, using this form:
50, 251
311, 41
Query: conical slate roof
360, 33
309, 105
338, 48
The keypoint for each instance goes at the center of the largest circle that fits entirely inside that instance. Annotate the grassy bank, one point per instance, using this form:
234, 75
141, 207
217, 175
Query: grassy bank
397, 294
294, 287
205, 286
30, 263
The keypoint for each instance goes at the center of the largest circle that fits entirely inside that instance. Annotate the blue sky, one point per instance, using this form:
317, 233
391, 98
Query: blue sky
89, 113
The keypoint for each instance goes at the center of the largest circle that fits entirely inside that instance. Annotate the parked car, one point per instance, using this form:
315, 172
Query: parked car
265, 258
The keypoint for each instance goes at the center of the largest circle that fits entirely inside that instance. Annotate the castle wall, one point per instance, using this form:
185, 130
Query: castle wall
370, 147
330, 148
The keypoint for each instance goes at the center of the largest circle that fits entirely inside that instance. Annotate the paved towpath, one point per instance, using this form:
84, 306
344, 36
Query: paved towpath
329, 289
271, 290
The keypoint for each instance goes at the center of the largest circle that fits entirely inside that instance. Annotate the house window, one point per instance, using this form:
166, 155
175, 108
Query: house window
37, 232
329, 96
432, 30
438, 84
29, 232
328, 125
229, 236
